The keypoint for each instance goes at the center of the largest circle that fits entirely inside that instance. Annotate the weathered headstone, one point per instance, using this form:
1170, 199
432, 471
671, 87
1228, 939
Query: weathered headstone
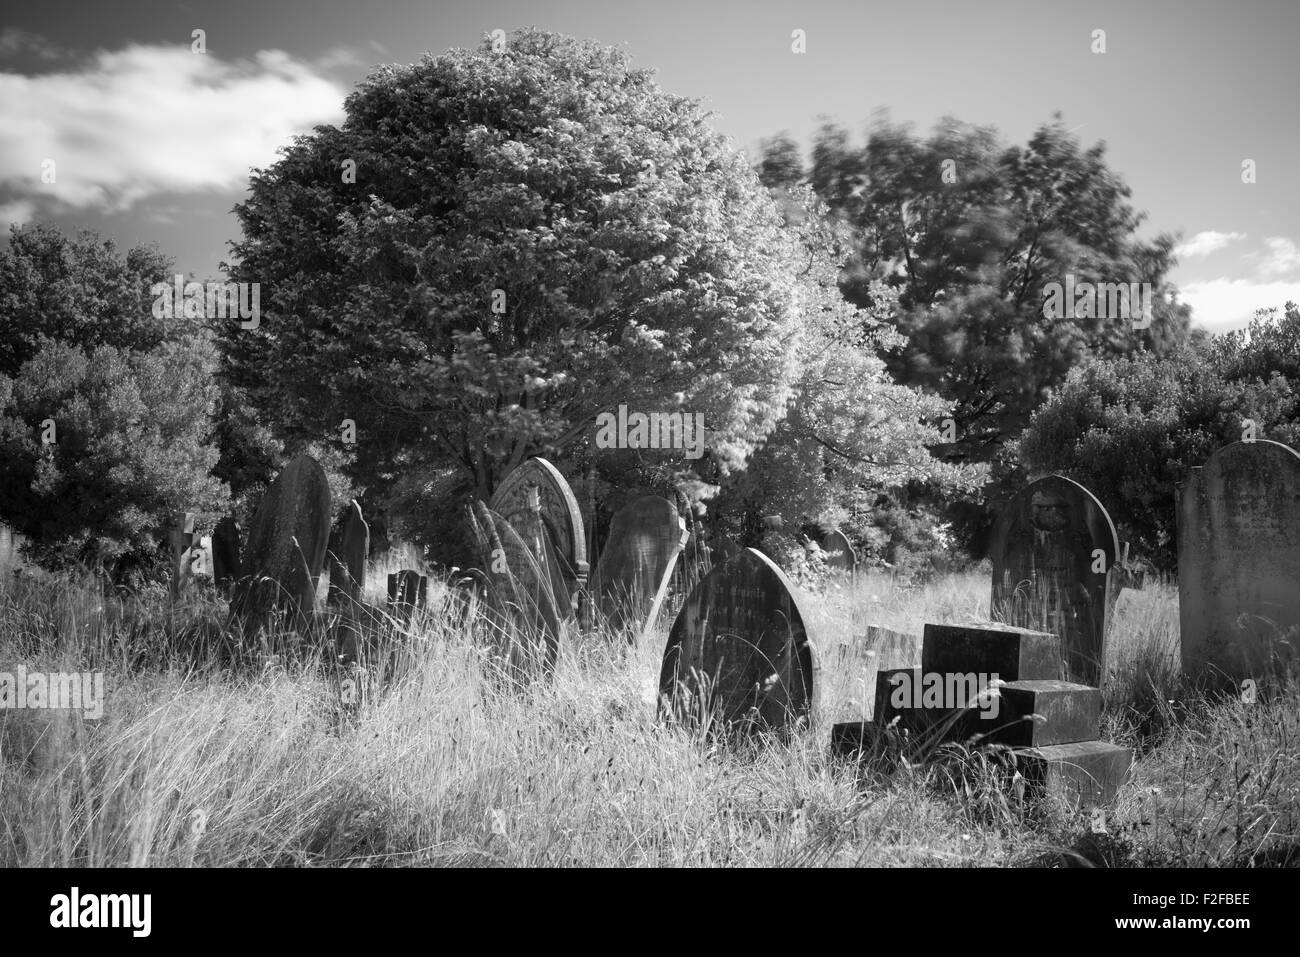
522, 594
739, 655
840, 556
1239, 562
286, 546
1054, 552
225, 553
537, 487
645, 539
407, 590
349, 545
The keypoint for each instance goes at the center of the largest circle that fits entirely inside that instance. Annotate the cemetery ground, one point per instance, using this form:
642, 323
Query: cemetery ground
201, 759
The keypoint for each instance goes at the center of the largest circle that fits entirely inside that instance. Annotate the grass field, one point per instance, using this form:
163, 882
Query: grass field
196, 762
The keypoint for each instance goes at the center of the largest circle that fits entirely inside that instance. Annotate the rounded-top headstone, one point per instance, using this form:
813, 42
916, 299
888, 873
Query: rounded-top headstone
1055, 553
645, 537
559, 510
840, 555
740, 651
1239, 562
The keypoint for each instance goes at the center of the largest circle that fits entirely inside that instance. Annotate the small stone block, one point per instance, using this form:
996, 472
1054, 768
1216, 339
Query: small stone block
1011, 653
1035, 714
1084, 774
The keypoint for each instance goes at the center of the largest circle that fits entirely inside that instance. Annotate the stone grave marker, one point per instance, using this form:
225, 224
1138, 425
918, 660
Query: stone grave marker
522, 594
840, 556
1055, 568
645, 538
287, 541
537, 487
1239, 562
182, 545
349, 545
739, 654
407, 590
225, 553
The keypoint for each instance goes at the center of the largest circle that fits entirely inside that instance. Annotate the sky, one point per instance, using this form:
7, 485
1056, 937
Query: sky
153, 142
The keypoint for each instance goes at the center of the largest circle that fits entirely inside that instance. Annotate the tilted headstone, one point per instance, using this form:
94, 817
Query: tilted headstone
1054, 552
739, 654
840, 556
349, 545
225, 553
1239, 562
537, 485
645, 539
287, 541
522, 592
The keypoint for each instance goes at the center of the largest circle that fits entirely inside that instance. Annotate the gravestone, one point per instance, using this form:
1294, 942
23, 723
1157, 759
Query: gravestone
739, 655
645, 539
287, 541
225, 553
522, 595
537, 487
349, 545
1239, 562
407, 590
840, 556
1054, 552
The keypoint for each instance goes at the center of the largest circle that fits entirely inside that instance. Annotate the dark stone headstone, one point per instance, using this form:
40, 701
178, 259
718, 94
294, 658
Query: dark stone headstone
739, 654
1055, 557
408, 589
1239, 562
225, 553
1081, 774
349, 545
840, 556
645, 538
1011, 653
537, 487
286, 544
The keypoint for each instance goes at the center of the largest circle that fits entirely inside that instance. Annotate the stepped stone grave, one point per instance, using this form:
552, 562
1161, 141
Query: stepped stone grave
521, 595
997, 685
645, 539
225, 553
840, 556
536, 488
1055, 568
739, 656
1239, 562
286, 546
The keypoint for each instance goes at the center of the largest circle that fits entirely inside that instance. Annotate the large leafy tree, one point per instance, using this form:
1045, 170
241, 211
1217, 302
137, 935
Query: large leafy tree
105, 409
630, 254
1130, 428
968, 232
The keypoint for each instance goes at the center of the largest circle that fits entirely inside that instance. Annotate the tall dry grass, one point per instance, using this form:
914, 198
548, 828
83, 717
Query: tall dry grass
215, 755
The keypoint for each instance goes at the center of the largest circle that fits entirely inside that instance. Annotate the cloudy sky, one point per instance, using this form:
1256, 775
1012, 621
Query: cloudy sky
153, 142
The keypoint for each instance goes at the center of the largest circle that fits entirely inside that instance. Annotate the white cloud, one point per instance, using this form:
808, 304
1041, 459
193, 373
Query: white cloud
1222, 304
1282, 257
1204, 243
152, 119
